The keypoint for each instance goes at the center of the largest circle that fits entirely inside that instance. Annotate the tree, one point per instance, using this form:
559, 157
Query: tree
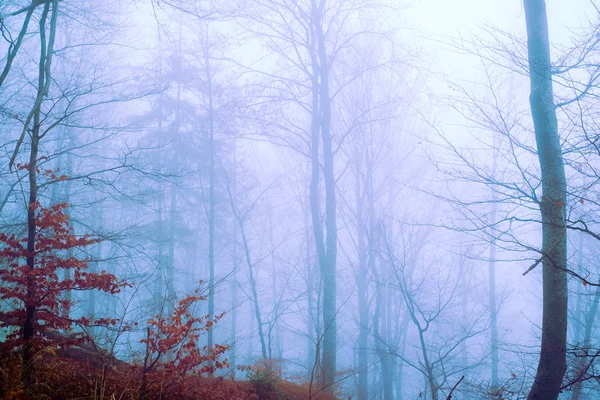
553, 362
34, 288
308, 40
14, 44
586, 355
178, 333
430, 295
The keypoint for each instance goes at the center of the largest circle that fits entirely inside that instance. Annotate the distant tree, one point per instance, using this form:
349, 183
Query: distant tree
430, 295
308, 41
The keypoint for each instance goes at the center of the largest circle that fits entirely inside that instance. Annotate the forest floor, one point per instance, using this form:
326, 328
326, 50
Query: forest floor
67, 376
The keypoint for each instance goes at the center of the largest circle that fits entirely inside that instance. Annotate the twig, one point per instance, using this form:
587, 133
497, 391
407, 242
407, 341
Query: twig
454, 388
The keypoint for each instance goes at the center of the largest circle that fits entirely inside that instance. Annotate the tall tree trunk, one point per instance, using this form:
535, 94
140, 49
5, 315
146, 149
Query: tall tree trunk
69, 170
384, 356
44, 71
310, 317
171, 251
552, 364
273, 325
492, 279
326, 249
170, 265
27, 372
92, 295
234, 262
576, 320
400, 363
363, 314
211, 195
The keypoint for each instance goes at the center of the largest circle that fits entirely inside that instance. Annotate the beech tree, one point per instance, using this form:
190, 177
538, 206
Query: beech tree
553, 362
178, 333
35, 291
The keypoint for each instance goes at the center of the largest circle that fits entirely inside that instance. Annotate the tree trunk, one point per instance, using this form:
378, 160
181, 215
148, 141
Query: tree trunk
234, 262
363, 314
384, 356
253, 286
576, 321
27, 372
327, 250
583, 361
44, 69
257, 315
211, 195
552, 362
311, 353
492, 280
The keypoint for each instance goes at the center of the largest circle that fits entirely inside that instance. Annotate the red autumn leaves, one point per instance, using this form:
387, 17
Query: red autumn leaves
60, 269
176, 336
56, 272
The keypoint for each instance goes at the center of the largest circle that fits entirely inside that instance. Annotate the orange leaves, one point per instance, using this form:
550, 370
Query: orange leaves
40, 287
178, 334
21, 167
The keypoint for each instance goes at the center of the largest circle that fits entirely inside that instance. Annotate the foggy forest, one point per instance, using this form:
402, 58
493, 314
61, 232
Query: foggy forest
299, 199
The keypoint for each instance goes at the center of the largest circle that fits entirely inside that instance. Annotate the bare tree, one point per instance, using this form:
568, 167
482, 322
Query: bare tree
553, 362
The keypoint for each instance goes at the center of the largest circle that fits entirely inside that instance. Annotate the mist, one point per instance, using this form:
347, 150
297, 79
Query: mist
299, 199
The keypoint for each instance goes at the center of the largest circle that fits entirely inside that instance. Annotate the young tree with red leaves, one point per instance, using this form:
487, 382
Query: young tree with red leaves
33, 287
178, 334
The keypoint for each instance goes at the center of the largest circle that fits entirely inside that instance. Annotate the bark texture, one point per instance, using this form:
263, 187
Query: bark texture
552, 363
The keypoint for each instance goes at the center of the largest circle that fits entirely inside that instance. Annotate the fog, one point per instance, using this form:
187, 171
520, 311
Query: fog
299, 199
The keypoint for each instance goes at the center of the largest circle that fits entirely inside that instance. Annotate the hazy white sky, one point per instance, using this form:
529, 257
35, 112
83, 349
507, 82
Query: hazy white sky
448, 17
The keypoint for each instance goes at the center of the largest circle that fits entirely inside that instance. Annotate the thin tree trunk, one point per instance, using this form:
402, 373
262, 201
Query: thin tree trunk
400, 363
492, 280
14, 47
310, 320
552, 364
583, 361
171, 253
253, 286
327, 250
257, 314
170, 265
384, 356
234, 261
576, 321
363, 314
211, 194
